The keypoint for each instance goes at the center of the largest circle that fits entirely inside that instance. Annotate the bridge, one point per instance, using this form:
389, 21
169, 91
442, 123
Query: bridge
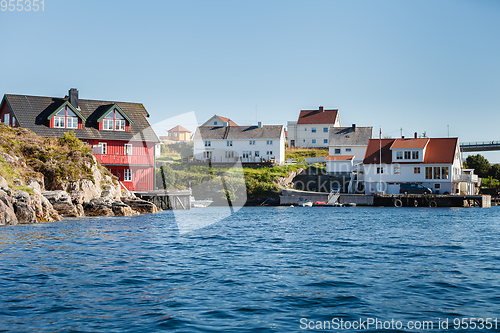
479, 146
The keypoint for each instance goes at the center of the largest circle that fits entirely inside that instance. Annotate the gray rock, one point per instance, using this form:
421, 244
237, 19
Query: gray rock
24, 213
7, 213
141, 206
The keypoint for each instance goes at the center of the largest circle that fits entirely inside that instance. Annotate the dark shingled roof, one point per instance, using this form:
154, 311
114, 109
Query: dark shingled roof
32, 111
350, 136
238, 132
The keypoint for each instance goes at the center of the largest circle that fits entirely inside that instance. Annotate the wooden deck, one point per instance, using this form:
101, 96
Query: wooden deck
167, 199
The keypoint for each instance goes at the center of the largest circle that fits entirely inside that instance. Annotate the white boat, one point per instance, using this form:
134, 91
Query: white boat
200, 203
304, 203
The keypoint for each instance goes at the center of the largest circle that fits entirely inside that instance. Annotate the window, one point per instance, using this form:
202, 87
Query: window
247, 154
257, 154
207, 154
252, 143
348, 149
437, 185
208, 143
215, 123
104, 147
6, 119
313, 140
325, 140
229, 154
229, 143
337, 150
437, 173
416, 170
269, 142
414, 154
14, 121
444, 172
380, 170
59, 122
313, 130
128, 149
113, 121
128, 175
428, 172
65, 118
407, 155
397, 169
304, 140
305, 129
325, 129
269, 152
399, 155
175, 134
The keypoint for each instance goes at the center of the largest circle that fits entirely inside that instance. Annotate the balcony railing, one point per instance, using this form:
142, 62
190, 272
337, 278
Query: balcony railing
125, 159
465, 178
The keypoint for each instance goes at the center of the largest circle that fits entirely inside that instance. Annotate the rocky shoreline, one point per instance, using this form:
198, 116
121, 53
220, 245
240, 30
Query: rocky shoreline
19, 207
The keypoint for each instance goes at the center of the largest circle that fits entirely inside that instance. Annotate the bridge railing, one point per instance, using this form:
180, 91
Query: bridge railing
480, 144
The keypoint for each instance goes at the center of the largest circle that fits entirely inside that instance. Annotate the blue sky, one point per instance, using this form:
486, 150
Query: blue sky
417, 65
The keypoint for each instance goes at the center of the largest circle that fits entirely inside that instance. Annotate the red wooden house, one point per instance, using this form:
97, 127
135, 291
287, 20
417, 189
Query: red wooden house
118, 132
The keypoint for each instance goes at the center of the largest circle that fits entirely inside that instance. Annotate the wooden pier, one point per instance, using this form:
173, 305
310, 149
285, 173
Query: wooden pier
419, 200
167, 199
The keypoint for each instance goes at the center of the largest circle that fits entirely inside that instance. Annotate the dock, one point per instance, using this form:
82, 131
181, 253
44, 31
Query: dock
167, 199
419, 200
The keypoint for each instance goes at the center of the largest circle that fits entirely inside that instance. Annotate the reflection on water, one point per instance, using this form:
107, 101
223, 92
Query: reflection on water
259, 269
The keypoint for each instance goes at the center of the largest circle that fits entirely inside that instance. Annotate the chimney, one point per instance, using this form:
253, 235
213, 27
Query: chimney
402, 137
259, 124
73, 97
354, 127
416, 135
321, 109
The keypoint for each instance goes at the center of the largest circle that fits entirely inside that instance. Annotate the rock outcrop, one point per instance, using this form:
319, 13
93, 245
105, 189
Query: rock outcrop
141, 206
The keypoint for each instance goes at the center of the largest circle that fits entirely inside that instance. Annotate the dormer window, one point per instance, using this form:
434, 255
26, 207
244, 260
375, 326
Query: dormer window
113, 121
65, 118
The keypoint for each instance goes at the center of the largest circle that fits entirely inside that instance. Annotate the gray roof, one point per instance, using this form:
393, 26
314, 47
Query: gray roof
32, 111
350, 136
239, 132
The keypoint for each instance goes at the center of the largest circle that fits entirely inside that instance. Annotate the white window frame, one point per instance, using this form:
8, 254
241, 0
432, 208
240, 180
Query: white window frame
269, 142
313, 130
104, 148
128, 149
59, 122
252, 143
229, 143
313, 141
257, 153
71, 122
325, 129
107, 124
208, 144
399, 155
6, 119
127, 175
119, 125
325, 140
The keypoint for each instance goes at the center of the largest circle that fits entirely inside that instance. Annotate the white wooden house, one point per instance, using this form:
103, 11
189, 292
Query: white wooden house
433, 162
248, 144
312, 129
349, 141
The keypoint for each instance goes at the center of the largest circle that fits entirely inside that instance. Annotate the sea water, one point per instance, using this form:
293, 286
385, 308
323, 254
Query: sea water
262, 269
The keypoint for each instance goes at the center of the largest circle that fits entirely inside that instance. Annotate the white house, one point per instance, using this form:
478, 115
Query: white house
434, 163
219, 121
312, 128
248, 144
339, 164
349, 141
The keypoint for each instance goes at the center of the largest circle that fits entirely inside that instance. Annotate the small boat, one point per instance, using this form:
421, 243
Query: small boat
200, 203
304, 203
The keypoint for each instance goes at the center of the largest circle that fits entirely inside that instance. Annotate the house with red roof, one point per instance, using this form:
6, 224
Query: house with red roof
219, 121
179, 134
432, 162
312, 129
118, 132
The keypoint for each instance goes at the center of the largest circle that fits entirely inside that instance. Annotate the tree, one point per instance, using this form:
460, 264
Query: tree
480, 165
495, 171
168, 176
424, 135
